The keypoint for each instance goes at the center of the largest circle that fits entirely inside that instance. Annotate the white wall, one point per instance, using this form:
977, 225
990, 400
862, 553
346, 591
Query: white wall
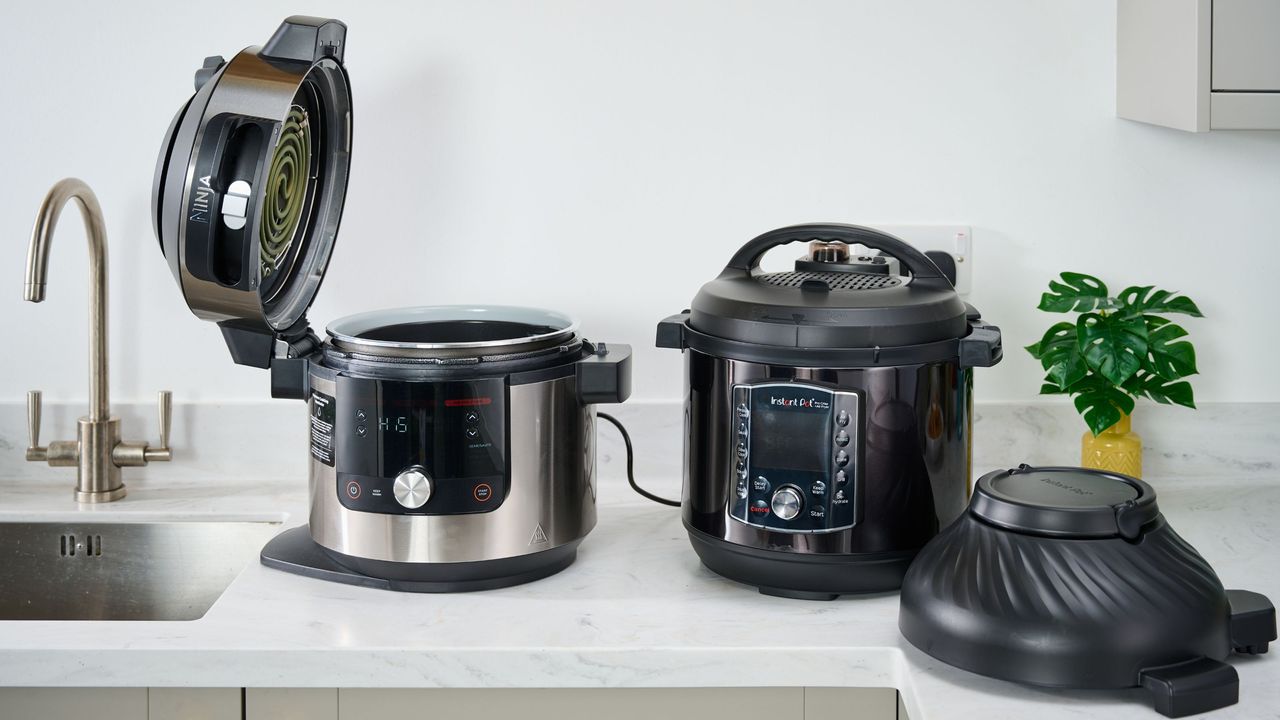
606, 158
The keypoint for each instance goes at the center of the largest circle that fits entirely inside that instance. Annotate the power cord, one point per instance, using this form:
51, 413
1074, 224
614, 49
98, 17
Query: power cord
631, 477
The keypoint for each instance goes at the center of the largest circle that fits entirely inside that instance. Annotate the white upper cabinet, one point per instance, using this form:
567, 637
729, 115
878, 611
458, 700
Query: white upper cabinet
1199, 65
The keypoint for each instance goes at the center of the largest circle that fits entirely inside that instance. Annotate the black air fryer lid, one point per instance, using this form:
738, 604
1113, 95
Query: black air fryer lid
832, 304
1071, 578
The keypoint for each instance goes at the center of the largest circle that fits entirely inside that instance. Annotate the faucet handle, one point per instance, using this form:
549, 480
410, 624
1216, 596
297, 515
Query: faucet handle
35, 453
164, 410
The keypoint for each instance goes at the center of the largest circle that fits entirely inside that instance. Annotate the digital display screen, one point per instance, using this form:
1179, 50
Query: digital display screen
454, 429
398, 424
790, 438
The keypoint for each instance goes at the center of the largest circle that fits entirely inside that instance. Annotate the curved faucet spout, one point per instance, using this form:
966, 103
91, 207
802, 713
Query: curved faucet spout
37, 270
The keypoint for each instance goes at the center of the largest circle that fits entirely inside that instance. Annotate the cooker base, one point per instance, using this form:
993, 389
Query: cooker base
802, 576
295, 552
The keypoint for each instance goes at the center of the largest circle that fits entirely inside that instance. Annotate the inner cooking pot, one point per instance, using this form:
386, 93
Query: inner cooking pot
450, 330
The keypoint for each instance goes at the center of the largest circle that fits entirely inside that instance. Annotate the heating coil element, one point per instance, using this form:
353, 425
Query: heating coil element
286, 190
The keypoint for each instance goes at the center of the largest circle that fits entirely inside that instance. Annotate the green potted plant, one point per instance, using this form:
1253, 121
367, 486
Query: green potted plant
1119, 348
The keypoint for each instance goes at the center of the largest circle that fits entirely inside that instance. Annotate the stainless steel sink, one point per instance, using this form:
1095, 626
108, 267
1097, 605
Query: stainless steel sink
122, 570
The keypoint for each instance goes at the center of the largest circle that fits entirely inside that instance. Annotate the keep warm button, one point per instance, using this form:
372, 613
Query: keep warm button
482, 492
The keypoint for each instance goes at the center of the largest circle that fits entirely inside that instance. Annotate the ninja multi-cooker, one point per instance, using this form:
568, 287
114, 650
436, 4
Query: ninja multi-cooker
452, 447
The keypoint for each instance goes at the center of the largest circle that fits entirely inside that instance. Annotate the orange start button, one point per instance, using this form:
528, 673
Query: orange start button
482, 492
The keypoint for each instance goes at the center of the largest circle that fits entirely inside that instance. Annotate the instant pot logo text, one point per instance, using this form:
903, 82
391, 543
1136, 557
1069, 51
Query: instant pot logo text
1065, 486
807, 403
200, 202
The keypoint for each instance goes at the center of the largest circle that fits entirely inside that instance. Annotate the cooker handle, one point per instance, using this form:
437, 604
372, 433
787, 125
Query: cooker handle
1191, 687
982, 347
671, 331
604, 376
922, 268
1253, 622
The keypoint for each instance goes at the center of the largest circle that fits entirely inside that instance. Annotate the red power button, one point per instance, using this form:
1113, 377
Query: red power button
482, 492
353, 489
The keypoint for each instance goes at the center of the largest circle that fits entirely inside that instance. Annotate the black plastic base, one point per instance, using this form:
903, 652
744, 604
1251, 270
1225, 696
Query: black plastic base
801, 576
295, 552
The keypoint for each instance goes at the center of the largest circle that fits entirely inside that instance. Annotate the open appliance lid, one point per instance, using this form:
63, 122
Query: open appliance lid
251, 179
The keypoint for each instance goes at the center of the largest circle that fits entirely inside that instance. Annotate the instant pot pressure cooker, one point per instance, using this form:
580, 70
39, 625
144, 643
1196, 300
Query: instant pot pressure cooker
828, 412
452, 448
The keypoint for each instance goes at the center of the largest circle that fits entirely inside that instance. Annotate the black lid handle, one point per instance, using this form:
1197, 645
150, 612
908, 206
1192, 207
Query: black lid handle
922, 268
301, 38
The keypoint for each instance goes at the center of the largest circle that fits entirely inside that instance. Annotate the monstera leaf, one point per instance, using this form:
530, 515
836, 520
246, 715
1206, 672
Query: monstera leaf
1113, 345
1146, 299
1165, 392
1119, 348
1059, 354
1100, 403
1076, 292
1167, 356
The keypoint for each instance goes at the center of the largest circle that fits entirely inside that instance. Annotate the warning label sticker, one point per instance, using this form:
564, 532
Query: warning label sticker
323, 413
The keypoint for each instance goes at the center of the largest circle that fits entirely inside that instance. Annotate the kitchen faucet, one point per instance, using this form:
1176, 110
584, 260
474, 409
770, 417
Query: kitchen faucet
98, 453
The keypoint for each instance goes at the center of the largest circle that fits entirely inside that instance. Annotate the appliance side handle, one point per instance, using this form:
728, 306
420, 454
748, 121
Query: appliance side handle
288, 357
605, 375
982, 347
1253, 622
671, 331
1191, 687
301, 38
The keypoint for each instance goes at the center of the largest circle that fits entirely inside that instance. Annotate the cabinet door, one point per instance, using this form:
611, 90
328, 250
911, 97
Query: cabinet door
194, 704
576, 704
291, 704
1246, 45
73, 703
833, 703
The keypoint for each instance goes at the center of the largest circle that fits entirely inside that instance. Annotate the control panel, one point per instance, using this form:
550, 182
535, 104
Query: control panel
797, 454
417, 448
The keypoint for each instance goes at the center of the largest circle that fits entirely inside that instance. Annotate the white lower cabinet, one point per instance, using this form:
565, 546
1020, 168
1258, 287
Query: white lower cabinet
73, 703
769, 703
429, 704
291, 704
194, 704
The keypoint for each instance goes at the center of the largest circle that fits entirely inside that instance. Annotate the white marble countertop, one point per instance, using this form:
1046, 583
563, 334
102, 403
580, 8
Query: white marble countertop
636, 610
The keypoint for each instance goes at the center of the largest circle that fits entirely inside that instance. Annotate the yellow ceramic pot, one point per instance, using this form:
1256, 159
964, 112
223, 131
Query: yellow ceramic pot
1115, 449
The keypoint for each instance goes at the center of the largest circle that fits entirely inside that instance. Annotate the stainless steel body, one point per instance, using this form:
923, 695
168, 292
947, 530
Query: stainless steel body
98, 453
122, 571
914, 467
551, 501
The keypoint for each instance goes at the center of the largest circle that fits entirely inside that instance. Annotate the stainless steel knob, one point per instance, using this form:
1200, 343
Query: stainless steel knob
787, 502
828, 252
412, 488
